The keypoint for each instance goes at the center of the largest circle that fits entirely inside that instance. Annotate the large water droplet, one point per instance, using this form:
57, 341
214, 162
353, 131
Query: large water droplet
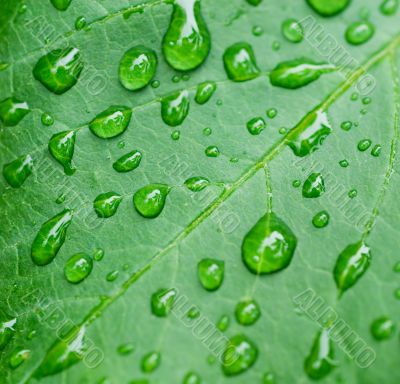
149, 201
292, 31
310, 133
150, 362
50, 238
187, 42
389, 7
240, 354
351, 264
240, 62
18, 170
269, 246
212, 151
297, 73
328, 8
197, 183
61, 5
382, 328
18, 357
61, 147
128, 162
175, 108
111, 122
80, 23
12, 111
162, 302
78, 268
7, 329
137, 67
205, 91
320, 361
359, 32
106, 204
321, 219
247, 312
211, 273
59, 70
314, 186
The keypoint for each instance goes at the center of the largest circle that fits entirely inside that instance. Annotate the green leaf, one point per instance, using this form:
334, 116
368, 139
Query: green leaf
207, 263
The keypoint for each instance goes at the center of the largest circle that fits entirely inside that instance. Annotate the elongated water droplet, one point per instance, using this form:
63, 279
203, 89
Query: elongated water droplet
240, 354
106, 204
150, 362
98, 254
78, 268
59, 70
314, 186
50, 238
256, 125
61, 5
310, 133
191, 378
112, 276
292, 30
61, 147
137, 67
125, 349
364, 144
197, 183
321, 219
240, 63
7, 329
211, 273
80, 23
346, 125
328, 8
149, 201
376, 150
212, 151
12, 111
389, 7
359, 32
111, 122
205, 91
351, 264
223, 323
175, 108
247, 312
128, 162
382, 328
187, 41
298, 73
269, 246
162, 302
18, 357
18, 170
320, 361
65, 352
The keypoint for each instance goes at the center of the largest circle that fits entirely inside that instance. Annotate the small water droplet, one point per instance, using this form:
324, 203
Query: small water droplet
106, 204
212, 151
175, 135
47, 119
18, 357
257, 30
31, 335
175, 108
247, 312
256, 125
389, 7
314, 186
366, 100
111, 122
193, 313
80, 23
211, 273
268, 378
78, 268
296, 183
98, 254
7, 329
328, 8
272, 113
207, 131
396, 267
125, 349
352, 193
292, 30
192, 378
364, 144
376, 150
18, 170
12, 111
354, 96
3, 66
61, 146
112, 276
276, 46
223, 323
254, 2
321, 219
344, 163
205, 91
149, 201
61, 5
346, 125
150, 362
382, 328
128, 162
359, 32
162, 302
197, 183
155, 84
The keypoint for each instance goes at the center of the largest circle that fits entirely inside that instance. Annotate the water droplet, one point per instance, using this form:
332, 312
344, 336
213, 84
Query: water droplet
155, 84
276, 46
363, 145
149, 201
247, 312
98, 254
359, 32
47, 119
175, 108
212, 151
351, 264
314, 186
346, 125
396, 267
162, 302
175, 135
150, 362
187, 41
205, 91
59, 70
352, 193
397, 293
296, 183
292, 30
3, 66
7, 329
111, 122
137, 67
320, 361
344, 163
257, 30
272, 113
376, 150
193, 313
61, 5
61, 147
125, 349
12, 111
382, 328
256, 125
389, 7
18, 170
80, 23
31, 334
18, 357
240, 63
176, 79
328, 8
197, 183
268, 378
240, 354
312, 132
321, 219
269, 246
298, 73
106, 204
185, 77
207, 131
254, 2
128, 162
366, 100
223, 323
192, 378
78, 268
112, 276
50, 238
354, 96
211, 273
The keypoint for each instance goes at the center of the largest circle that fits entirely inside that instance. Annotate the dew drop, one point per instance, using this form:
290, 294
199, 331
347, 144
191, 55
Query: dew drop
359, 32
257, 30
296, 183
269, 246
187, 41
78, 268
18, 357
12, 111
98, 254
292, 31
150, 362
61, 5
364, 144
80, 23
175, 108
272, 113
328, 8
137, 67
389, 7
3, 66
376, 150
7, 329
162, 302
344, 163
175, 135
205, 91
247, 312
197, 183
352, 193
128, 162
366, 100
276, 46
256, 125
254, 2
50, 238
106, 204
149, 201
111, 122
321, 219
382, 328
112, 276
47, 119
192, 378
346, 125
268, 378
18, 170
396, 267
212, 151
61, 147
193, 313
240, 63
314, 186
59, 70
211, 273
155, 84
125, 349
223, 323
